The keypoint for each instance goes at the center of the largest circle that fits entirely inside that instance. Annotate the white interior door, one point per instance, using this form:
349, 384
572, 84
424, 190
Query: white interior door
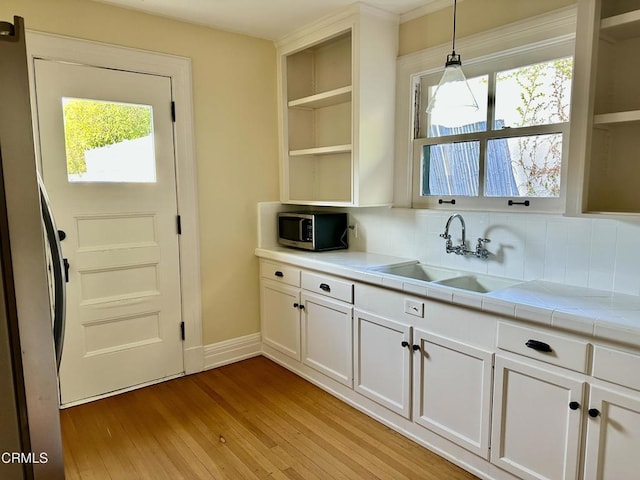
106, 142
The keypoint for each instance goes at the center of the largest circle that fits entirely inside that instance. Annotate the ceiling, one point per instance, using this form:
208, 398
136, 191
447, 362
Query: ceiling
270, 19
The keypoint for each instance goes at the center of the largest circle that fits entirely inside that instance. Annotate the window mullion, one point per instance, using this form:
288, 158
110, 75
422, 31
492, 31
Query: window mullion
491, 104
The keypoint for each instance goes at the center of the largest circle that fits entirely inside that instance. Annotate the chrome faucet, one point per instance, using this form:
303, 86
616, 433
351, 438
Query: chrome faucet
458, 249
462, 249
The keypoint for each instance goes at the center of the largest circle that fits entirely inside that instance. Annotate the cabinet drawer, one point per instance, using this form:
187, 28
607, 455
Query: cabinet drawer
546, 347
280, 273
329, 286
616, 366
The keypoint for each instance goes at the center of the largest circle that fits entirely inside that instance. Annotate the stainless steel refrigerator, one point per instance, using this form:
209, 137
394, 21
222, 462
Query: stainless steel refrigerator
31, 281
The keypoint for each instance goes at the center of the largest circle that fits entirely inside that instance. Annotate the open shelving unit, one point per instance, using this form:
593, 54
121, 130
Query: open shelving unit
330, 82
609, 144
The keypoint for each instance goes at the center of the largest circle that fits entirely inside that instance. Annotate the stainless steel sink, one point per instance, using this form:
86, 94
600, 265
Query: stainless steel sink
419, 271
478, 283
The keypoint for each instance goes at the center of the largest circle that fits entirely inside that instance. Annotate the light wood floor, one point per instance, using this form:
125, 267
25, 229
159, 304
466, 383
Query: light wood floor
249, 420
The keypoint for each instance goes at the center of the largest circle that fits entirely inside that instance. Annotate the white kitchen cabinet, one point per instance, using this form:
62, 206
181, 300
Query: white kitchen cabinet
280, 317
452, 390
605, 117
327, 336
280, 307
336, 84
613, 435
537, 419
382, 361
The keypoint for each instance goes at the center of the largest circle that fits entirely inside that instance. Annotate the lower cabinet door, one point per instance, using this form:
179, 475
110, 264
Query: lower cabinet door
280, 317
536, 421
382, 361
452, 390
327, 337
613, 435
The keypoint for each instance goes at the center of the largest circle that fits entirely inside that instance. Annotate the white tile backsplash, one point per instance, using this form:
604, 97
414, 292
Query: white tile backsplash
555, 251
578, 252
583, 252
627, 273
603, 254
534, 249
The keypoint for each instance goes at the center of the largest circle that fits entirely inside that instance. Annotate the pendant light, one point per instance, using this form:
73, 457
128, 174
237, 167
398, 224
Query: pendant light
453, 92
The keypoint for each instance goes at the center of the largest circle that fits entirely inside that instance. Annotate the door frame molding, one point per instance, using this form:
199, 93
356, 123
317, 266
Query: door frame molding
68, 49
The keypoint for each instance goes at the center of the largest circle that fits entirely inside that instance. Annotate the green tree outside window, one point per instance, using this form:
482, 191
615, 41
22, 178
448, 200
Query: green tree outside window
90, 124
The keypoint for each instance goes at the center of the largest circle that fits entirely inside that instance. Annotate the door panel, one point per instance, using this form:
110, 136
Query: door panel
280, 317
108, 164
613, 437
535, 434
327, 337
382, 361
452, 390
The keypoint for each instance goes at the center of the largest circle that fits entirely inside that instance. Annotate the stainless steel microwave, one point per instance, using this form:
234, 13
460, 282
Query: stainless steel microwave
316, 231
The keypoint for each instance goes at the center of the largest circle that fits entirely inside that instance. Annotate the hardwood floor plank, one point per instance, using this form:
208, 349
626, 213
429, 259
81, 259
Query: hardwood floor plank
296, 406
304, 437
249, 420
386, 465
238, 459
395, 450
142, 445
294, 439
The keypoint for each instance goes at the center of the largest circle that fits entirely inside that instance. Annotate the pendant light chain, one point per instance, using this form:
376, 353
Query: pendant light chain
453, 42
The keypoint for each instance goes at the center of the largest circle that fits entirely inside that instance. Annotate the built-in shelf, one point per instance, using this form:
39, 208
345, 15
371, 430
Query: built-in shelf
321, 151
336, 103
324, 99
606, 82
617, 117
621, 26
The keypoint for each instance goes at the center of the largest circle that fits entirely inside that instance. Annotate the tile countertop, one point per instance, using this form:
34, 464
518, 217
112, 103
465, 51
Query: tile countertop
597, 313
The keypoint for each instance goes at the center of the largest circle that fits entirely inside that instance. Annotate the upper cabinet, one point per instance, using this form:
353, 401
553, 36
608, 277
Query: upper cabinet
605, 131
336, 89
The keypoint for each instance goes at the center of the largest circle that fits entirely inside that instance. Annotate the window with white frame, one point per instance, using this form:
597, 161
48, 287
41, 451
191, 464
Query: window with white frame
512, 151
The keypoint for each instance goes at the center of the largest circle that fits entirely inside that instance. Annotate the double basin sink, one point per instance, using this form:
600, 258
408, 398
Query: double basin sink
472, 282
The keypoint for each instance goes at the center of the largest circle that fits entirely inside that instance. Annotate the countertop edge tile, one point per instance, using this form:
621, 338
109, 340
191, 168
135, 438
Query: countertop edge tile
573, 323
437, 292
415, 288
468, 300
498, 306
617, 333
530, 313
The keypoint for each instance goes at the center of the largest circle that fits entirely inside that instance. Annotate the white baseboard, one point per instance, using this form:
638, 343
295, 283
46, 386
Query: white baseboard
230, 351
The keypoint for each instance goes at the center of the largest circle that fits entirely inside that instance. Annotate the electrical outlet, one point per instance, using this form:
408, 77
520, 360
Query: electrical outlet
414, 308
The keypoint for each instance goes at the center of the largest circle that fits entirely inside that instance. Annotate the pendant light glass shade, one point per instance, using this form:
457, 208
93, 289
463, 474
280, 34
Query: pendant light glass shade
453, 91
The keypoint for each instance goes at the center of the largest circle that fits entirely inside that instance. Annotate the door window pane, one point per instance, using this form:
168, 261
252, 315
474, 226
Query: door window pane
443, 122
108, 141
537, 94
524, 166
450, 169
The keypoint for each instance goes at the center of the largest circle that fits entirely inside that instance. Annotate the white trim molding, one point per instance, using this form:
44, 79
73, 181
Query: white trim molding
67, 49
549, 28
233, 350
432, 6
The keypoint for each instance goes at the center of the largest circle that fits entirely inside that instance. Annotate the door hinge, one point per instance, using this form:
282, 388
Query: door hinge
173, 112
182, 336
179, 224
